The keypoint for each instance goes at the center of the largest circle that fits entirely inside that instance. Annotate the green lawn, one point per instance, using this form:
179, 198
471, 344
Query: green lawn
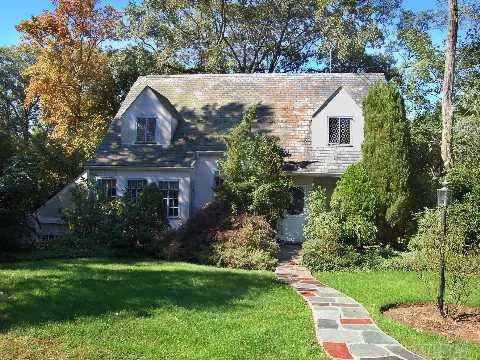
111, 309
377, 289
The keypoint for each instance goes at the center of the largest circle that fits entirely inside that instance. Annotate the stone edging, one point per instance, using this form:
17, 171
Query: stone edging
343, 327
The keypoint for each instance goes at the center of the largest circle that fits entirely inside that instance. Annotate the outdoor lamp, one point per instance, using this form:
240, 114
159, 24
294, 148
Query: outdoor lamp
444, 195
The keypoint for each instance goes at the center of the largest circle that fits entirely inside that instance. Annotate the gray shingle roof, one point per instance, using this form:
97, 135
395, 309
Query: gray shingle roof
211, 104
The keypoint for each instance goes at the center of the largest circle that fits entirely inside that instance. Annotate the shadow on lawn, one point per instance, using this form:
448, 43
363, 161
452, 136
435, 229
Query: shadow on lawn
64, 292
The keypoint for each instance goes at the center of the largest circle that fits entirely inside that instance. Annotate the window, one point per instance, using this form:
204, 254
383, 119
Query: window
169, 190
135, 188
297, 200
339, 130
107, 188
146, 130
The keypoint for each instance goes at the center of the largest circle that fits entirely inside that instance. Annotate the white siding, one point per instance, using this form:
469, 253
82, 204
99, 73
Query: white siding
204, 180
148, 104
342, 105
154, 175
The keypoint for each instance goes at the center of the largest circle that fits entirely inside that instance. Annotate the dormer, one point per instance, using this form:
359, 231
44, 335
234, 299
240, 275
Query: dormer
338, 122
149, 120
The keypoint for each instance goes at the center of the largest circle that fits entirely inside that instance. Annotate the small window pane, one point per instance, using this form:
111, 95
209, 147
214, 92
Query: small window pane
151, 130
344, 131
141, 130
333, 135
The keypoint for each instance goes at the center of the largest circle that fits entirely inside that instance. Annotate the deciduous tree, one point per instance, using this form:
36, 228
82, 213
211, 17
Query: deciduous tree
70, 77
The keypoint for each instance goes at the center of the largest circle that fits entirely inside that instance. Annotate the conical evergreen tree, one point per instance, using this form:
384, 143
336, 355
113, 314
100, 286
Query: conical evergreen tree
386, 155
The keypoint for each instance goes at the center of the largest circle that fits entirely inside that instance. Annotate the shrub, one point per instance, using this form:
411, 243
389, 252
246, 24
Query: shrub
357, 206
323, 248
121, 224
386, 154
251, 177
461, 246
250, 244
193, 241
143, 223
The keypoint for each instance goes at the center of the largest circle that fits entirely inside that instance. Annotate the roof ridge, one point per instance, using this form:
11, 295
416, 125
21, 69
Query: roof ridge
164, 76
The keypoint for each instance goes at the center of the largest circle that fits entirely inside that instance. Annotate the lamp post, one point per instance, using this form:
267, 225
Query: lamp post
444, 196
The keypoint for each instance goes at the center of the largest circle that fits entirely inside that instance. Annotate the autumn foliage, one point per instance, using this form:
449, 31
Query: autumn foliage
70, 77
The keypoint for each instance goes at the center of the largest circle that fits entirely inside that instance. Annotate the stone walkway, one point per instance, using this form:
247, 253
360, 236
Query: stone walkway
342, 326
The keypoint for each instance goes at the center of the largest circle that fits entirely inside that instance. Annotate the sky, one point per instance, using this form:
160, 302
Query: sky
13, 11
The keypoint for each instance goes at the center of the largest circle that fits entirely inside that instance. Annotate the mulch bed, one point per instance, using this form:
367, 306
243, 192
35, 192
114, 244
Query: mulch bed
461, 322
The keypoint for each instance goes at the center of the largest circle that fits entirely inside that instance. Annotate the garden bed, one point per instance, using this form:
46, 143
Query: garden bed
461, 321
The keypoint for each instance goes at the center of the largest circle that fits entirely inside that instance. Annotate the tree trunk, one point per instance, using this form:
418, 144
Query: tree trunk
447, 132
448, 82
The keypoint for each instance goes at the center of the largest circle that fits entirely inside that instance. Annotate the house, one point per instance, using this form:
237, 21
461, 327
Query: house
169, 130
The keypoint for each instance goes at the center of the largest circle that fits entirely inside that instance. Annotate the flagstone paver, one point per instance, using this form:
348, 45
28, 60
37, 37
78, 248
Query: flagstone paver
343, 327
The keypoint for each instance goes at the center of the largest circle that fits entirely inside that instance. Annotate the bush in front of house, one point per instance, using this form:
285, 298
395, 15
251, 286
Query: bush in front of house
357, 207
251, 177
249, 243
193, 241
324, 248
120, 224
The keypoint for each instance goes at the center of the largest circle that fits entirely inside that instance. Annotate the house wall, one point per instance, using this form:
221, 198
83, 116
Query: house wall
342, 105
154, 175
149, 104
204, 180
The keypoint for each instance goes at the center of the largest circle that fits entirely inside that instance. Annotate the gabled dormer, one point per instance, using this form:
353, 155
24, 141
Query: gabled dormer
149, 120
338, 122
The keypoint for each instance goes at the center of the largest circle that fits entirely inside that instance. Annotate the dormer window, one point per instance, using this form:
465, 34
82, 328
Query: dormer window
339, 130
146, 130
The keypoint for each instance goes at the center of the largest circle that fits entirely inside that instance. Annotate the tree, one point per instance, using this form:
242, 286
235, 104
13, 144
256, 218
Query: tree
15, 119
448, 85
127, 64
251, 178
70, 76
447, 130
386, 155
256, 35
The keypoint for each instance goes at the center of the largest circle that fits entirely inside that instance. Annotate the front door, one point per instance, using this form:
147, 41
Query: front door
290, 228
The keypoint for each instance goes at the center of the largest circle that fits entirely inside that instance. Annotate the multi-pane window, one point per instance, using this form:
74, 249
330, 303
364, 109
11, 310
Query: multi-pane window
146, 130
339, 130
169, 190
107, 189
135, 188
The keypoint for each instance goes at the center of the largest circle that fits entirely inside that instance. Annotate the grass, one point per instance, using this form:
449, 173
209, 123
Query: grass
111, 309
377, 289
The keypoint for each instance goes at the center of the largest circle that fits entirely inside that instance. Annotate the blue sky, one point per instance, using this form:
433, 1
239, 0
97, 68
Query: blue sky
13, 11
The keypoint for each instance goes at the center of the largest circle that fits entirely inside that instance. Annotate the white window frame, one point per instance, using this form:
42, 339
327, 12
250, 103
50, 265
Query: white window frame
145, 142
135, 179
350, 118
116, 186
167, 208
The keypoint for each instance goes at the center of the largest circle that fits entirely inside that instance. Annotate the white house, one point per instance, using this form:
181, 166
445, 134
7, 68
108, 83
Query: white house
169, 130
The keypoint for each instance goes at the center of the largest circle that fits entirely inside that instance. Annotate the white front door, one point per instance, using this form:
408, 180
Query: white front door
290, 228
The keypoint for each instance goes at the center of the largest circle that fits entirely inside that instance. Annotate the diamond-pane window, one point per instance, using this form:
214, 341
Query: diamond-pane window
146, 130
169, 190
339, 130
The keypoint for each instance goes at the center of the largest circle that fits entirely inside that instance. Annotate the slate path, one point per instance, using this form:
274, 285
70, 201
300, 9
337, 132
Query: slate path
342, 326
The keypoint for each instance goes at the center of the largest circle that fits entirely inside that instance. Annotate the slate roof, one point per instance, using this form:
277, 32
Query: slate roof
209, 105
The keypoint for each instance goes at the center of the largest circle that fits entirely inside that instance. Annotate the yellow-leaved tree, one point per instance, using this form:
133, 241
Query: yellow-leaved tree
70, 76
